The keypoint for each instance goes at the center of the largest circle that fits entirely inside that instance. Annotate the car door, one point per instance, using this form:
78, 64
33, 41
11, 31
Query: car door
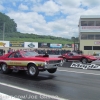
72, 56
69, 56
14, 59
76, 56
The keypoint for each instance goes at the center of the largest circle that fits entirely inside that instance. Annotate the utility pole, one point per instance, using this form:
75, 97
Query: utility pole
3, 31
73, 38
74, 44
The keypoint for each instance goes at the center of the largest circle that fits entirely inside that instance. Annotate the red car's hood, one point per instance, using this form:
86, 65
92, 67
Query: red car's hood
90, 56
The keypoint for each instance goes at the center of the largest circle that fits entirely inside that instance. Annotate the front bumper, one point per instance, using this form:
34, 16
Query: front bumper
51, 66
48, 66
90, 60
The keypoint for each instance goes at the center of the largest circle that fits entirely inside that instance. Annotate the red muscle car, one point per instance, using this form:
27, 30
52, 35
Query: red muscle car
29, 61
72, 56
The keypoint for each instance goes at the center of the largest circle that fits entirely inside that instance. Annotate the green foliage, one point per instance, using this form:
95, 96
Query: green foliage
35, 38
10, 25
75, 39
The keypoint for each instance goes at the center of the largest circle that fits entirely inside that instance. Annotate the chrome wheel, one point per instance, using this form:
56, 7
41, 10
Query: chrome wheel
32, 70
84, 61
4, 67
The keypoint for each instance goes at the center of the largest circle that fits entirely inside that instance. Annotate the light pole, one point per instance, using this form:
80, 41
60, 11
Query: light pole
74, 43
3, 31
73, 39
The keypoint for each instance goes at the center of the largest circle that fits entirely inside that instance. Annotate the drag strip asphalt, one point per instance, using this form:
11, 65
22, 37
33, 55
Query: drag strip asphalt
66, 84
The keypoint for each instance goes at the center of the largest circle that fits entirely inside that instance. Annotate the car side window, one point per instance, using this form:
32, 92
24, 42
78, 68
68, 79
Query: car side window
70, 54
11, 55
17, 55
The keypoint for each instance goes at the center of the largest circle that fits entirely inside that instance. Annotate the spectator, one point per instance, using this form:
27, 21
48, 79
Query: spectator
3, 52
9, 50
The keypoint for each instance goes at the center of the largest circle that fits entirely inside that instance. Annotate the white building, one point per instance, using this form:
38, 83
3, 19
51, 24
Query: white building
89, 33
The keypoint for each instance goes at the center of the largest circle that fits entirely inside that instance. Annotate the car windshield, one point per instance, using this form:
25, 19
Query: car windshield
74, 53
29, 53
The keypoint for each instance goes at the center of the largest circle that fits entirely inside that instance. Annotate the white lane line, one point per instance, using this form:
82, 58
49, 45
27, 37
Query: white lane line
78, 72
34, 92
7, 97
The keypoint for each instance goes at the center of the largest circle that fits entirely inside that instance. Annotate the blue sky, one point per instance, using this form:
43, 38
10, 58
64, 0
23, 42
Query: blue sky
49, 17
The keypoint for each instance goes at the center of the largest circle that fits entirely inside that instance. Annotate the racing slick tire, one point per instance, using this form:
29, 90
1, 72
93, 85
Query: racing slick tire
32, 70
84, 60
52, 70
5, 69
90, 62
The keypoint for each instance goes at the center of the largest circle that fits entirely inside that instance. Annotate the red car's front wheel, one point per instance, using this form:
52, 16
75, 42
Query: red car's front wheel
64, 59
52, 70
33, 70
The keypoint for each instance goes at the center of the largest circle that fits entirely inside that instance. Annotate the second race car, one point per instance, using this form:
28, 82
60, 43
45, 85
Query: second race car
72, 56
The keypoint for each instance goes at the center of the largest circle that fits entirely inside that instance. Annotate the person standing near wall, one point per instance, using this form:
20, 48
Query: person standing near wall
10, 50
3, 52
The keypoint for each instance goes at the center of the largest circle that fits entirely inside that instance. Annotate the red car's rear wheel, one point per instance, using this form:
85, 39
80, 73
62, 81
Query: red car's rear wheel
5, 69
84, 60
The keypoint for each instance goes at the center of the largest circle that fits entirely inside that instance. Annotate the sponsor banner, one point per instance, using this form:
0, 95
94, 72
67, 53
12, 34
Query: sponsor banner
16, 44
76, 46
97, 42
55, 45
85, 66
44, 45
90, 27
31, 44
4, 43
68, 45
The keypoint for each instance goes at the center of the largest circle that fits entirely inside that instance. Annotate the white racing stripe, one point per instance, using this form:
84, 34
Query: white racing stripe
30, 91
7, 97
78, 72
